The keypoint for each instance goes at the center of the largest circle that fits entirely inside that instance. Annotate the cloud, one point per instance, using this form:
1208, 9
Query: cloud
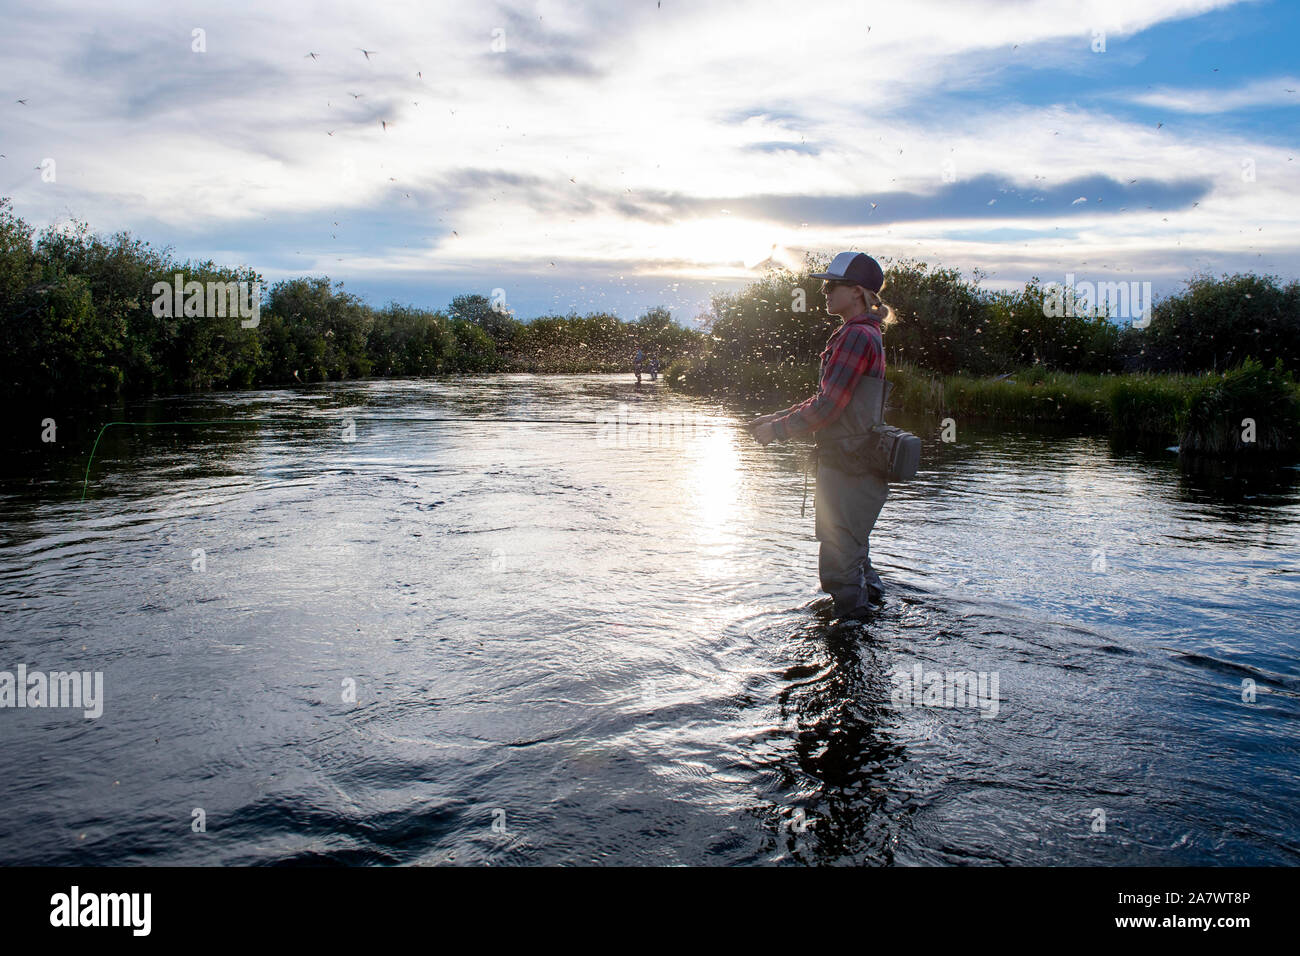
809, 149
1283, 91
536, 65
678, 142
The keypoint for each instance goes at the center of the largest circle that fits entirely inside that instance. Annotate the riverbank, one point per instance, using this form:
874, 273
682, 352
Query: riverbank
1201, 412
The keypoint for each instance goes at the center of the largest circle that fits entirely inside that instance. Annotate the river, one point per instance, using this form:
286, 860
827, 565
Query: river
503, 642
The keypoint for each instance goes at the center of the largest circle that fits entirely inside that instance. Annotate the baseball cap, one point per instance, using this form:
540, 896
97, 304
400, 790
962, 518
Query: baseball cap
856, 267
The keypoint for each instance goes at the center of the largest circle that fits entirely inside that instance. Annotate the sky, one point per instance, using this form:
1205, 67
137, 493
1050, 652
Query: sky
617, 156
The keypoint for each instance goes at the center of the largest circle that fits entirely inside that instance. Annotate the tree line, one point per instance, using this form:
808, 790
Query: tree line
771, 332
78, 319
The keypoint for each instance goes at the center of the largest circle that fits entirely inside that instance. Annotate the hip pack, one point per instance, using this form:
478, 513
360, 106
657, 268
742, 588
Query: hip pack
896, 454
885, 451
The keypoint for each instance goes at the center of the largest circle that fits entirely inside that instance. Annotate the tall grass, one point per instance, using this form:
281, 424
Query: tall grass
1145, 403
1248, 409
1202, 411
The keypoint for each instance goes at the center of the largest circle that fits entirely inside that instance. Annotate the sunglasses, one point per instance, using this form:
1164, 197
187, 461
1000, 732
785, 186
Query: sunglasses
832, 286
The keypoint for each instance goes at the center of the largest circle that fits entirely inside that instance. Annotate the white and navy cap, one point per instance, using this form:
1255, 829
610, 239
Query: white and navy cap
856, 267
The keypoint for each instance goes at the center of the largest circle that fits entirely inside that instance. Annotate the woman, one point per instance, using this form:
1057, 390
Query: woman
849, 400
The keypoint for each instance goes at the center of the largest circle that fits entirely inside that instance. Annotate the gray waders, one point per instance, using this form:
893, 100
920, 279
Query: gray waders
846, 508
848, 501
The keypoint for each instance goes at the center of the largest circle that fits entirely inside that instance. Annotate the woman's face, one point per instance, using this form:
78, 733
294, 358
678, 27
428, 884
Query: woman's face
839, 296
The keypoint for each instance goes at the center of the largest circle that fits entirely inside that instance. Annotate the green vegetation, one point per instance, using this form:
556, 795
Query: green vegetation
949, 338
1138, 405
1247, 409
1203, 412
77, 321
595, 343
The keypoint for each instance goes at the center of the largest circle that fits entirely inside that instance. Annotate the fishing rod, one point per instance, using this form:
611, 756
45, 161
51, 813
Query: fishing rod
622, 422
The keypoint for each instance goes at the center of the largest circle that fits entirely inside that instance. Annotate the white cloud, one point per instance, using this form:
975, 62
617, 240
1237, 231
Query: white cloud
590, 105
1283, 91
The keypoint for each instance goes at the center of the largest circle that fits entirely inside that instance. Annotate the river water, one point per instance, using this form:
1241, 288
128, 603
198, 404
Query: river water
503, 642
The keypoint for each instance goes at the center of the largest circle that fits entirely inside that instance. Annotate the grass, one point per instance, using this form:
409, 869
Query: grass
1140, 405
1249, 409
1135, 404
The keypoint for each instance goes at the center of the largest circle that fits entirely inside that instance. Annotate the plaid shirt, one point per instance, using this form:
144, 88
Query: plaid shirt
855, 349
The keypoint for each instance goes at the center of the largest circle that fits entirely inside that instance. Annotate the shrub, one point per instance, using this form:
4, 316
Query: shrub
1213, 423
1147, 405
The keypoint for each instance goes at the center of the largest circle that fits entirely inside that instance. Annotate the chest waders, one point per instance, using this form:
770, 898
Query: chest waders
849, 498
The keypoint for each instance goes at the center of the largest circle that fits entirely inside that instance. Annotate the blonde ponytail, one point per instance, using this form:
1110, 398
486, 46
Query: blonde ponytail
876, 304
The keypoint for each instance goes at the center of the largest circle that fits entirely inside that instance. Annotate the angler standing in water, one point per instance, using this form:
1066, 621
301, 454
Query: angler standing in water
849, 400
636, 363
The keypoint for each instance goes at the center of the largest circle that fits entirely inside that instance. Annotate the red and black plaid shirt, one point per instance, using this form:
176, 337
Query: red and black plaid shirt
855, 349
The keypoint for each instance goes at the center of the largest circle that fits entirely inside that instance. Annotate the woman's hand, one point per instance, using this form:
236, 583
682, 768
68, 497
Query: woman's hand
761, 427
